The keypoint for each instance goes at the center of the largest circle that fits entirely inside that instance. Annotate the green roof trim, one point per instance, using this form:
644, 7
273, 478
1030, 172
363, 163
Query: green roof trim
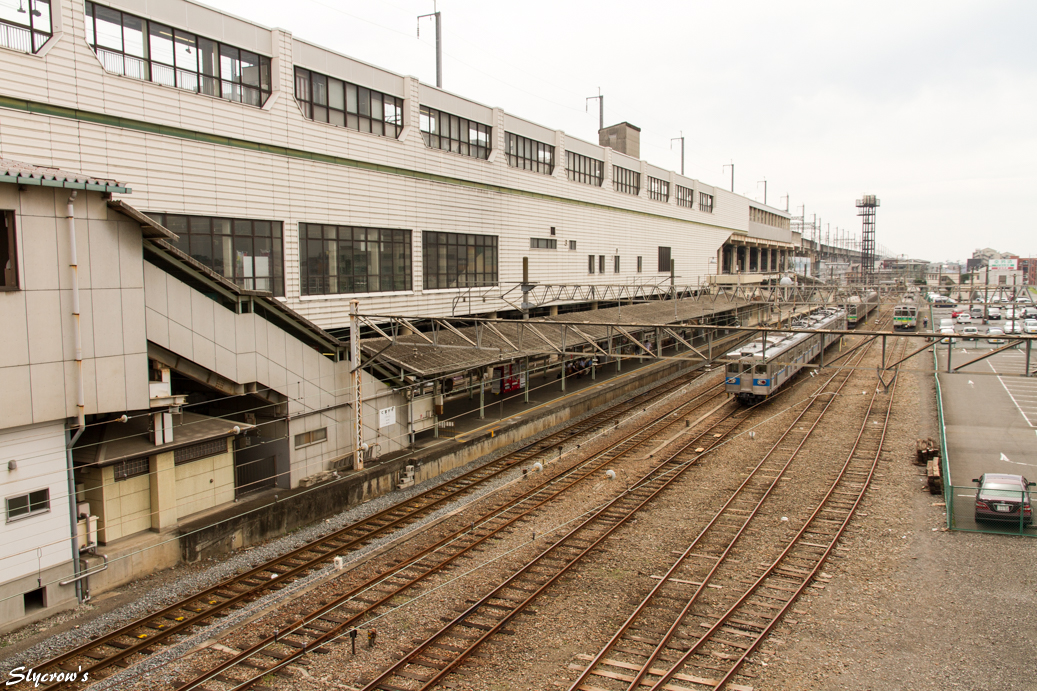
103, 119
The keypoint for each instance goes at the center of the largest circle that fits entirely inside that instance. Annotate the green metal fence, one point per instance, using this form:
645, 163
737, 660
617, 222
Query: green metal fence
994, 516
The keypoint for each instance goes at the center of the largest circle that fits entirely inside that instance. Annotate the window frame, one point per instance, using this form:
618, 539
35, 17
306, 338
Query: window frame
346, 255
686, 196
625, 180
314, 104
615, 264
639, 264
658, 189
580, 168
590, 263
311, 437
705, 202
529, 154
431, 123
28, 38
186, 231
437, 271
543, 243
29, 510
233, 86
9, 277
601, 263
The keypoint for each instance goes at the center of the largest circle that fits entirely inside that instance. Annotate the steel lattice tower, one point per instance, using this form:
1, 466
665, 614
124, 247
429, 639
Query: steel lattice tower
866, 207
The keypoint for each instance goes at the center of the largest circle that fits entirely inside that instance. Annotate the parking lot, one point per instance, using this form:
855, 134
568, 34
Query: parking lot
990, 413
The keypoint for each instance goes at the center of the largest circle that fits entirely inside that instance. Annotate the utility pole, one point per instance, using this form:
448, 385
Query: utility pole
786, 197
732, 166
601, 114
439, 41
764, 181
681, 138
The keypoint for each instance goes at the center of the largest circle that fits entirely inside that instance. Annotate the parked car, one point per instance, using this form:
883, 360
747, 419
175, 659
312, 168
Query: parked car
994, 313
976, 312
955, 312
1013, 327
996, 336
1030, 326
948, 335
964, 318
1007, 313
1000, 496
970, 333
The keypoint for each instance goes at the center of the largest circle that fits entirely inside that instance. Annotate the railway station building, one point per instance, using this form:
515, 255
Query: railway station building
192, 202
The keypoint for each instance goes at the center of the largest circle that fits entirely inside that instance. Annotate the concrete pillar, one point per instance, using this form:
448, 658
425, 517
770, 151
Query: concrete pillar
163, 491
553, 310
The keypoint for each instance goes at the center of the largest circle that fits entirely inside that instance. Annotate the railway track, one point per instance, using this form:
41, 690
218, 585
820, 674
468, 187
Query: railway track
344, 614
705, 643
144, 635
427, 665
431, 661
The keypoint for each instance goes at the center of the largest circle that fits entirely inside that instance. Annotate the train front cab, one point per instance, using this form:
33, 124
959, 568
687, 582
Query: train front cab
748, 381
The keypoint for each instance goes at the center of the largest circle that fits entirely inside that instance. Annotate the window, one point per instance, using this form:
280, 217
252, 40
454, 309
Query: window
241, 250
452, 133
659, 190
625, 180
706, 202
601, 263
543, 243
639, 265
458, 260
664, 259
579, 168
615, 267
8, 252
23, 30
186, 454
590, 263
326, 99
146, 50
133, 467
572, 245
350, 259
529, 154
685, 196
26, 505
313, 437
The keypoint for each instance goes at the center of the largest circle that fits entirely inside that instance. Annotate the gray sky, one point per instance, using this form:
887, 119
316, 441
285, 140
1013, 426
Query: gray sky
929, 105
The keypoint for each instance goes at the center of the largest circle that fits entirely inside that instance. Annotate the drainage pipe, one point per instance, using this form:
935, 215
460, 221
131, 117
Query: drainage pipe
80, 398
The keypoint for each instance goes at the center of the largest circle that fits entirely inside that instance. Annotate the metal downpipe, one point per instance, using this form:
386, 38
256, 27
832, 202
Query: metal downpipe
80, 397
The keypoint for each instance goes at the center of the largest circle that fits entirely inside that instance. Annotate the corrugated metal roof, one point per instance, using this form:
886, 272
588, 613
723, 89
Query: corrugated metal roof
451, 353
27, 174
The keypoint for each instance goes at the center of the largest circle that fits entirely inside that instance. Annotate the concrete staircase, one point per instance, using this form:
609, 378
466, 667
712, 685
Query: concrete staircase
406, 478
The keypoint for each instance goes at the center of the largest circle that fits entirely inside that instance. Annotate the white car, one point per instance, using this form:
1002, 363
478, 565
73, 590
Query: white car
1030, 326
949, 337
964, 318
970, 333
996, 336
1013, 327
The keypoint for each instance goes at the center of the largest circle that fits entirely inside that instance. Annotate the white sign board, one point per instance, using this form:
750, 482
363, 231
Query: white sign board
1002, 264
386, 417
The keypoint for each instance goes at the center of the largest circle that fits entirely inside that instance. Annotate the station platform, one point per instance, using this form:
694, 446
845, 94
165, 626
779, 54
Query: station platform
990, 417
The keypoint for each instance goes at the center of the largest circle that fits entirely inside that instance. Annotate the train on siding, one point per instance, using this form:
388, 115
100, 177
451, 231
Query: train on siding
905, 316
857, 309
762, 366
